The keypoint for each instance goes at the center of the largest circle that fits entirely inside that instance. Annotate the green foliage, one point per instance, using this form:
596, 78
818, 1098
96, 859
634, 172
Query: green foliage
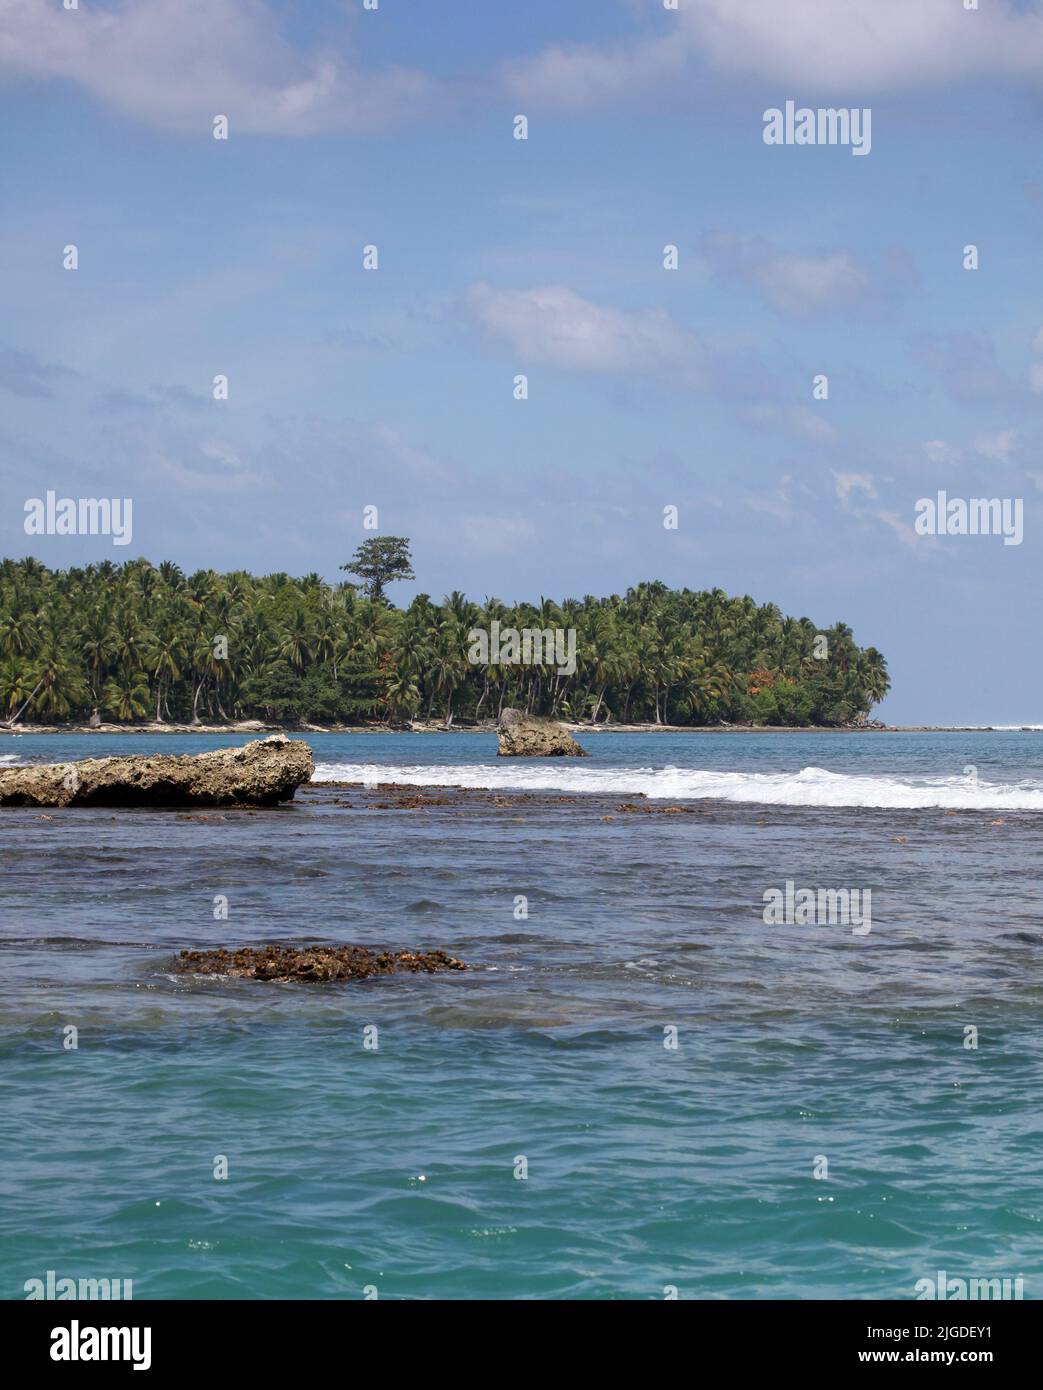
379, 561
141, 642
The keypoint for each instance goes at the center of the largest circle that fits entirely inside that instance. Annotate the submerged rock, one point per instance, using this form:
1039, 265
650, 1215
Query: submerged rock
530, 736
262, 773
312, 963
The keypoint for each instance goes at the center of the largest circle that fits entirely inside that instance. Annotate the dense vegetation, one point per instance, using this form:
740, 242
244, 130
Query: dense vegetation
139, 641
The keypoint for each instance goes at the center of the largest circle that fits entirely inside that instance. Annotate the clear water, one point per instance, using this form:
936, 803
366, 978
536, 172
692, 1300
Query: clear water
647, 1167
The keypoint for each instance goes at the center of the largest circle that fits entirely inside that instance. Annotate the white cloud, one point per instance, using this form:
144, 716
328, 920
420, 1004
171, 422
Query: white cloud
857, 492
798, 420
848, 484
899, 525
881, 43
806, 286
175, 64
998, 446
555, 325
779, 503
967, 365
822, 45
579, 76
219, 451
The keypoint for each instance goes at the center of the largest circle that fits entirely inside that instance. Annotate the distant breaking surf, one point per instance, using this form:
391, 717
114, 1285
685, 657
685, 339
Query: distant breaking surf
813, 786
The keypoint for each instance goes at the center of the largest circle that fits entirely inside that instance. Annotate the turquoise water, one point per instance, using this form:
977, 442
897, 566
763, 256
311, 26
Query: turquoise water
647, 1168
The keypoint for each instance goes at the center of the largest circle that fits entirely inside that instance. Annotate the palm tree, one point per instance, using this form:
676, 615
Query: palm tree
16, 689
59, 684
17, 634
402, 696
126, 696
450, 662
296, 644
166, 658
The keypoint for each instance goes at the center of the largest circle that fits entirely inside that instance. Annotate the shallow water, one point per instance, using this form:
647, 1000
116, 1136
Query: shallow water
647, 1167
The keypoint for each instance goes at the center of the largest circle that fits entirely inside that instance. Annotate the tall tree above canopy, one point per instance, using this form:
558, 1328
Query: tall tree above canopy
380, 561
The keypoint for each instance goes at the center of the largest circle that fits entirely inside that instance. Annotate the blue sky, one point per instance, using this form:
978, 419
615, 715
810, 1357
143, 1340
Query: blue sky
647, 387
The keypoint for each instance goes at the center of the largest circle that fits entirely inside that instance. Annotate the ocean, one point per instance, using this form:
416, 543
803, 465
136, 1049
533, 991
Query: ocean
639, 1089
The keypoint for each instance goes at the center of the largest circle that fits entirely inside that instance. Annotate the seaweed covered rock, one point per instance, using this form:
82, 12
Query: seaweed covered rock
530, 736
261, 773
318, 964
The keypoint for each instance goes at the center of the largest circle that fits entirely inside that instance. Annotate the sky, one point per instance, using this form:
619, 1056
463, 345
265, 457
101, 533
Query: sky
395, 127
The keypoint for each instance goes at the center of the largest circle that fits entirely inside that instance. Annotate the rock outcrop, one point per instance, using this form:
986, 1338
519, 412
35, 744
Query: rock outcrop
262, 773
312, 964
528, 736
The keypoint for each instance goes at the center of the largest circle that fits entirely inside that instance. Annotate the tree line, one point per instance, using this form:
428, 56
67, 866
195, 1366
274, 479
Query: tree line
139, 641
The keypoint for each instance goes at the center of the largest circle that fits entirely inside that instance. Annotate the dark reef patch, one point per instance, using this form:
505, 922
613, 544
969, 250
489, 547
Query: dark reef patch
314, 964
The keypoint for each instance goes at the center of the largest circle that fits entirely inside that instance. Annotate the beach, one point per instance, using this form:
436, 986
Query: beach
253, 726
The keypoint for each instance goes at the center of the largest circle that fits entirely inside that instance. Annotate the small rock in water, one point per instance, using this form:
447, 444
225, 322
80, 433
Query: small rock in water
312, 963
529, 736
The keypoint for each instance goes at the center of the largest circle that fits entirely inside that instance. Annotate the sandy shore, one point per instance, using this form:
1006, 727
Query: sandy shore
253, 726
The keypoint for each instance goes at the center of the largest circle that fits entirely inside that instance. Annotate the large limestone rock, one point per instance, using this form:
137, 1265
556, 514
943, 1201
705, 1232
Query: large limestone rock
262, 773
527, 736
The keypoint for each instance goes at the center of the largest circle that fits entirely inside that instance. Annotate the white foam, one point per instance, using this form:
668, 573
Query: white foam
813, 786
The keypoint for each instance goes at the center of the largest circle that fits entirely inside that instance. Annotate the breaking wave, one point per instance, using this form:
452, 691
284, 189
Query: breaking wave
813, 786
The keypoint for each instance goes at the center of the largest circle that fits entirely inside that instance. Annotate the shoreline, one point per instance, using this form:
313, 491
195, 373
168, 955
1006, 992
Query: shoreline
251, 726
